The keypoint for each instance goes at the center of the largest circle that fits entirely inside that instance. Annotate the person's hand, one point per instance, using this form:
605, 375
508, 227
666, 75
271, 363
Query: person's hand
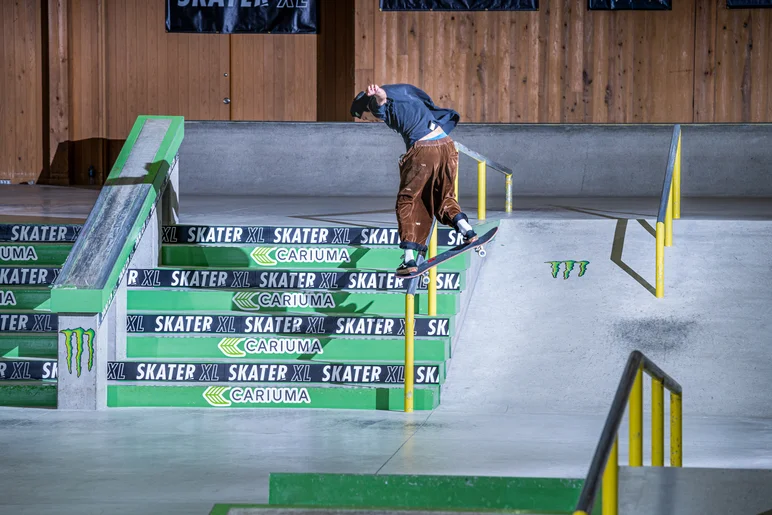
374, 90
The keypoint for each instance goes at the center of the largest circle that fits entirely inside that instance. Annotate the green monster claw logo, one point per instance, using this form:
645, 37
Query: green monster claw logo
568, 268
78, 335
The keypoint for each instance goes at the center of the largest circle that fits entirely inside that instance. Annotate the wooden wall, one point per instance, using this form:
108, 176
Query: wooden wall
21, 95
76, 73
566, 64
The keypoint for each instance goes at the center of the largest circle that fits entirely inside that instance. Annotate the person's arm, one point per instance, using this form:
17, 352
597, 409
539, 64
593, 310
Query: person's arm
380, 99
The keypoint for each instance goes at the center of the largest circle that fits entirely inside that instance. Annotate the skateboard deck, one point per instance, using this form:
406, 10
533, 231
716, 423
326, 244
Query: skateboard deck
453, 252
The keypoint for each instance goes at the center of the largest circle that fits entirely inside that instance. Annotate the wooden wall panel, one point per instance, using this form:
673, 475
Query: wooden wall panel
733, 81
274, 77
151, 72
561, 64
335, 61
21, 94
364, 46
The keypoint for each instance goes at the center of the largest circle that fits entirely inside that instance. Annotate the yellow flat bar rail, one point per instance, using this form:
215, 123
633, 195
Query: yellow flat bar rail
482, 168
669, 209
604, 468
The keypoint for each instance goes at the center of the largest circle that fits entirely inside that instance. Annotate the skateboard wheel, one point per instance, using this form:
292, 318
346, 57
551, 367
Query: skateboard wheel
481, 252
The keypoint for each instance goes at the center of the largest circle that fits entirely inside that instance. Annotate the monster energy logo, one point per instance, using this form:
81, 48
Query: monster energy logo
77, 335
569, 266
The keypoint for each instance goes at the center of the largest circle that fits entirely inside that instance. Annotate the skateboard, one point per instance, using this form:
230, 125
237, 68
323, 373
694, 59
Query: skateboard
451, 253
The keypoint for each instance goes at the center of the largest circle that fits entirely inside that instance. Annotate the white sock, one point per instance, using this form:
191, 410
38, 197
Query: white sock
464, 226
409, 255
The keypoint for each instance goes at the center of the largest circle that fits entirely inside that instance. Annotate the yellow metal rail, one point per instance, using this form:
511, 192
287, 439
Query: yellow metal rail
669, 209
604, 469
482, 172
482, 166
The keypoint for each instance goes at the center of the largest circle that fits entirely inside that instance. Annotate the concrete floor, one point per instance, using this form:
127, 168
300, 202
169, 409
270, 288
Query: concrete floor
528, 389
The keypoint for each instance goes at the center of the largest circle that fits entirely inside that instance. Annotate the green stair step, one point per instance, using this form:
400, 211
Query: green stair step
271, 509
263, 324
261, 257
28, 345
276, 348
34, 254
28, 394
283, 302
425, 492
324, 397
35, 299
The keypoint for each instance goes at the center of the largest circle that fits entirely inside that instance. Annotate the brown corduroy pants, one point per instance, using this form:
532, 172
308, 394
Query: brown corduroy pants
426, 189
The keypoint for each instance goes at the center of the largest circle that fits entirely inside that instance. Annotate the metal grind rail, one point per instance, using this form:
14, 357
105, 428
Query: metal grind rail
482, 164
669, 208
605, 461
482, 170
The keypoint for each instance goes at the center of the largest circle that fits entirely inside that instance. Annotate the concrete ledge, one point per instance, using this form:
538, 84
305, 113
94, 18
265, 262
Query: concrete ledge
354, 159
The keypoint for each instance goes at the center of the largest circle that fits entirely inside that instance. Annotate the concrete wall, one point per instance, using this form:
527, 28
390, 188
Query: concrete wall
360, 159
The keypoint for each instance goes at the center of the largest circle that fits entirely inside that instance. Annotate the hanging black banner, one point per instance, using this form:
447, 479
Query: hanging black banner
459, 5
631, 5
740, 4
242, 16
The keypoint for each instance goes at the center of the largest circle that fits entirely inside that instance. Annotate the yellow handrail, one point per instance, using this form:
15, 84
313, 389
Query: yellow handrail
605, 462
482, 169
670, 208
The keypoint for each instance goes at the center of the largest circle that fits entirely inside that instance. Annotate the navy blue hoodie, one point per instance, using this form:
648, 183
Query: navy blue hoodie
408, 111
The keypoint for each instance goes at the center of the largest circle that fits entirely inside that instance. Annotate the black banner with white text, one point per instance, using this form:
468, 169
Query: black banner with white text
270, 324
631, 5
242, 16
459, 5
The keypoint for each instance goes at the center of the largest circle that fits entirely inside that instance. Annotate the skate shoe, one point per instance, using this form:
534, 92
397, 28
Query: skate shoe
407, 267
470, 237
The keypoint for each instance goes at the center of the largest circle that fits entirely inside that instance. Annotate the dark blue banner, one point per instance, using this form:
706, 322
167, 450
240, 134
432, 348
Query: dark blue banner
459, 5
242, 16
631, 5
739, 4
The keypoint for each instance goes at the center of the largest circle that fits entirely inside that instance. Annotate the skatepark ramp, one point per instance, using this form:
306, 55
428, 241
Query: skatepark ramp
149, 312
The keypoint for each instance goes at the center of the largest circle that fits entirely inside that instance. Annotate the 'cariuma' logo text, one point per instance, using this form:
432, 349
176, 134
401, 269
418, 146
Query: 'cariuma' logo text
569, 266
77, 335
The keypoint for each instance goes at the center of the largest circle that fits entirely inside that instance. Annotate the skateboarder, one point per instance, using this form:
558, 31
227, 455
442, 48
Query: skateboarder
427, 170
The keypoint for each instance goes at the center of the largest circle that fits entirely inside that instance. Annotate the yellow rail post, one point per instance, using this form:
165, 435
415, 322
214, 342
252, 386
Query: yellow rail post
409, 341
481, 190
677, 182
455, 183
433, 274
669, 219
657, 423
676, 452
508, 194
636, 420
610, 482
660, 269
